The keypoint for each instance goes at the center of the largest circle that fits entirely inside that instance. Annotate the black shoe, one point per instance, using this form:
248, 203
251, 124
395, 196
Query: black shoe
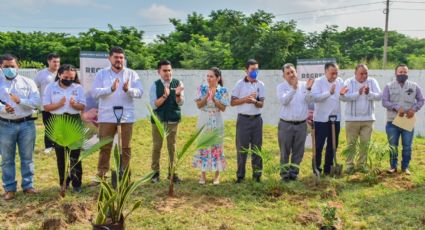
77, 190
257, 179
239, 180
293, 176
176, 179
155, 178
285, 178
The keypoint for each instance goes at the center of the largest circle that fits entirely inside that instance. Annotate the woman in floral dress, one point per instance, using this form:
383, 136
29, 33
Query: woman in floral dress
212, 100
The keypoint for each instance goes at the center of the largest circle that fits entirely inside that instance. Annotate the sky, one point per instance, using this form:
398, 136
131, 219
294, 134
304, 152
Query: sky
74, 16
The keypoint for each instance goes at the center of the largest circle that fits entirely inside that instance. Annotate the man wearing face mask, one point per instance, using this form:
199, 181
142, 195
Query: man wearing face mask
42, 79
116, 86
359, 92
166, 98
248, 96
19, 97
325, 95
401, 97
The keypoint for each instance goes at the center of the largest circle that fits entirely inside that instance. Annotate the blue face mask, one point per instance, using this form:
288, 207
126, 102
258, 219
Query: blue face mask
10, 73
253, 74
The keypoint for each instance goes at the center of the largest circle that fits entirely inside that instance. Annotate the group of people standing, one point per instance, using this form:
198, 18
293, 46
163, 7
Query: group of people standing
57, 91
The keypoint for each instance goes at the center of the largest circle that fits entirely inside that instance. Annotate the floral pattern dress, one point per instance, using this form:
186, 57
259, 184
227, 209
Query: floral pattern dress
211, 159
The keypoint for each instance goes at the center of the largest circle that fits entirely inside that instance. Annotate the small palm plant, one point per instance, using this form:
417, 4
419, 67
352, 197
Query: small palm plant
329, 218
197, 140
269, 167
71, 134
375, 153
112, 201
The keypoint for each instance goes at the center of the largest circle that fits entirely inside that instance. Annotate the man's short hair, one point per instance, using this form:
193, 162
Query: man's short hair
8, 57
287, 66
50, 56
163, 62
358, 66
250, 62
116, 49
400, 65
330, 64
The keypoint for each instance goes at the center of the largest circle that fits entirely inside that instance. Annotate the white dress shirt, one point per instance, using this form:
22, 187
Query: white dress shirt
294, 103
27, 92
361, 107
107, 99
325, 103
43, 78
244, 88
54, 93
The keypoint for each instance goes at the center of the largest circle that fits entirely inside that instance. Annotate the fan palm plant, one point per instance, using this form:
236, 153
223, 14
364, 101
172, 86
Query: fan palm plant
71, 134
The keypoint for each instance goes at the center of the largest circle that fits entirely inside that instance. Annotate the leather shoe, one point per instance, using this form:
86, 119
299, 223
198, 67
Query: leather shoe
31, 191
9, 195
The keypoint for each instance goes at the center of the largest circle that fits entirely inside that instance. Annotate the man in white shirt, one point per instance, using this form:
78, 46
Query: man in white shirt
116, 86
292, 129
325, 95
19, 97
248, 97
359, 92
42, 79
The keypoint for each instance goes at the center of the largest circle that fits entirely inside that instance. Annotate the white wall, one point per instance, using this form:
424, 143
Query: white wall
271, 78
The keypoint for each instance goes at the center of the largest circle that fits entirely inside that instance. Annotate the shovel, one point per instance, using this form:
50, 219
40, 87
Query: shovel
118, 112
316, 171
336, 169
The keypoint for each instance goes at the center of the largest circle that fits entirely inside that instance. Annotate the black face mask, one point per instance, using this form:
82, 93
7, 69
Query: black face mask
401, 78
67, 82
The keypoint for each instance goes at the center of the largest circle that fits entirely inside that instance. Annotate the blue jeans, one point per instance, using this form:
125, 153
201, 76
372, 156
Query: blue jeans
23, 135
393, 135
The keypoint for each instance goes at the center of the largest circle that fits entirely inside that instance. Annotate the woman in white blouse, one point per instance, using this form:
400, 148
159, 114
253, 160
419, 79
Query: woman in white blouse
65, 97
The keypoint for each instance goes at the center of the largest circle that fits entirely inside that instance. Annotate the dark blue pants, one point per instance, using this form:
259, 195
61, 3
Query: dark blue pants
324, 134
394, 133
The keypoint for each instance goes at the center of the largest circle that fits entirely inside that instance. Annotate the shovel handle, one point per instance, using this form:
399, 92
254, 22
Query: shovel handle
332, 118
333, 139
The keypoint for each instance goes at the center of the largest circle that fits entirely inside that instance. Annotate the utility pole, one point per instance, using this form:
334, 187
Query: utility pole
387, 13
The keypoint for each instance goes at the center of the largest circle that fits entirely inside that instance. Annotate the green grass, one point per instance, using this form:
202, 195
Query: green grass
396, 202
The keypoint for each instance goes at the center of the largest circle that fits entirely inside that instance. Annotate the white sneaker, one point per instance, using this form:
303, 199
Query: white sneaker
216, 182
201, 181
48, 150
392, 170
407, 172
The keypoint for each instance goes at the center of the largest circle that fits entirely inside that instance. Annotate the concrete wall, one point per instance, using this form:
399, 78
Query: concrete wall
271, 78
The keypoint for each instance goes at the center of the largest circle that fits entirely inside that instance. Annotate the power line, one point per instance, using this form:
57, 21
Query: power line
331, 15
407, 9
414, 2
327, 9
77, 27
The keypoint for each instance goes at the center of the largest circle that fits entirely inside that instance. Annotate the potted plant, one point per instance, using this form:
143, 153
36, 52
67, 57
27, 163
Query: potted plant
112, 202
